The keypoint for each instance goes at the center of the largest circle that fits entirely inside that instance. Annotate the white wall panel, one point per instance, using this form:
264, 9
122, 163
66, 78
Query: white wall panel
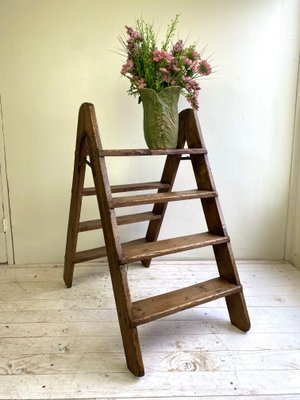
57, 54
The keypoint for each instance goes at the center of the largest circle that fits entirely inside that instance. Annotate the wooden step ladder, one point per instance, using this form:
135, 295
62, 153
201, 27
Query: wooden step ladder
89, 152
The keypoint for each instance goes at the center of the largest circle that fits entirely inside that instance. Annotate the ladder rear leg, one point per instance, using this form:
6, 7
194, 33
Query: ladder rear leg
75, 206
68, 273
236, 304
237, 310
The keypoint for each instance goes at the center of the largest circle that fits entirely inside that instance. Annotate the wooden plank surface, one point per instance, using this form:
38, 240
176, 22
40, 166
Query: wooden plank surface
129, 187
65, 343
136, 252
152, 308
185, 361
139, 249
91, 254
121, 220
148, 152
161, 384
153, 198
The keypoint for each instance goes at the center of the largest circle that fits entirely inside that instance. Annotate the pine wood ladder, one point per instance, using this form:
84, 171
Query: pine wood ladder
89, 151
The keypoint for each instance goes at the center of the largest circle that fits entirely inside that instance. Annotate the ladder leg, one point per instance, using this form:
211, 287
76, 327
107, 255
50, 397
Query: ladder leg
132, 350
238, 311
118, 272
129, 334
215, 222
236, 304
74, 215
68, 272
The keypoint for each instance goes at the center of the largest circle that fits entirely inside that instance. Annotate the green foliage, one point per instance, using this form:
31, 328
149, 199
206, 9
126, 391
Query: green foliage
171, 65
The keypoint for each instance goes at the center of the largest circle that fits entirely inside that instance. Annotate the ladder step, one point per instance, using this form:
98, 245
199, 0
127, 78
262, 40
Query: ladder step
100, 252
88, 255
162, 197
121, 220
129, 187
152, 308
148, 152
142, 250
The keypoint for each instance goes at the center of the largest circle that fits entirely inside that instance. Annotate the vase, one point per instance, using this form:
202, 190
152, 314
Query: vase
161, 117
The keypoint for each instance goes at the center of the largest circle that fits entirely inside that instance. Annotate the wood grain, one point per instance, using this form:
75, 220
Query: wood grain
128, 187
160, 198
121, 220
152, 308
139, 251
148, 152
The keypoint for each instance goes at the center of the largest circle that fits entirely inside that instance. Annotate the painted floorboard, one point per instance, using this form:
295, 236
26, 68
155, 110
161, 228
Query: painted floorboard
58, 343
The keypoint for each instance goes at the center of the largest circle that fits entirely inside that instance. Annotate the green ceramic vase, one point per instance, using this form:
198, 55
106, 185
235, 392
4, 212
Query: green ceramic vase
161, 117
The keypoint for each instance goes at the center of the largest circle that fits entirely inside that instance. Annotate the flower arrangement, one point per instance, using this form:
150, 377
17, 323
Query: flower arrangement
173, 64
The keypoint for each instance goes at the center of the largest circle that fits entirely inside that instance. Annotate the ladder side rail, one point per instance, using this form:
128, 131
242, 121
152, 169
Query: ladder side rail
215, 221
102, 186
76, 201
168, 176
211, 206
118, 271
202, 172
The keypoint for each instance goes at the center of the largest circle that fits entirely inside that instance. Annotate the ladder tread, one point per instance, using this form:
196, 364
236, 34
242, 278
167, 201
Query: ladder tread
89, 255
137, 251
141, 249
129, 187
148, 152
121, 220
152, 308
100, 252
161, 197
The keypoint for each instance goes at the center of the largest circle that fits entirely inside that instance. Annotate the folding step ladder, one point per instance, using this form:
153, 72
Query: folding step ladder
89, 152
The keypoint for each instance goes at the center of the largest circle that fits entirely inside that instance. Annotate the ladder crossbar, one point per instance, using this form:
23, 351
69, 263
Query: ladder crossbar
121, 220
160, 197
128, 187
155, 307
148, 152
139, 249
142, 250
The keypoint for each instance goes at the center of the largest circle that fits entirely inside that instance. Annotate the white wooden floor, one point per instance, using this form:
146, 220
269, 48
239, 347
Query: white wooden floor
65, 343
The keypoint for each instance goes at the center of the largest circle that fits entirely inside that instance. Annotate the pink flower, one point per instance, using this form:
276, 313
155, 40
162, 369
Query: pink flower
191, 84
194, 66
159, 55
187, 61
204, 68
176, 69
141, 83
156, 66
130, 31
178, 47
194, 101
133, 39
164, 70
186, 78
133, 34
127, 67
